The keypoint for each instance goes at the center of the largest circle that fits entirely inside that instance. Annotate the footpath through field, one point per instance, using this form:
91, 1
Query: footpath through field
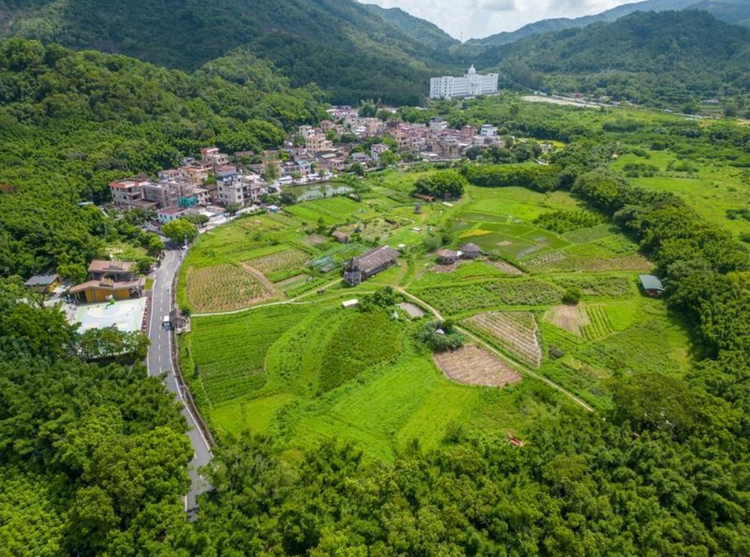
499, 354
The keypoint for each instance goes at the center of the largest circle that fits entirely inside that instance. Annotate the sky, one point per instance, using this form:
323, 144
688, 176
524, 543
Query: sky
481, 18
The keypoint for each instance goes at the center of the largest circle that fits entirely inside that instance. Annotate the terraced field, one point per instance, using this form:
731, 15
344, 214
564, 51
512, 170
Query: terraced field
515, 331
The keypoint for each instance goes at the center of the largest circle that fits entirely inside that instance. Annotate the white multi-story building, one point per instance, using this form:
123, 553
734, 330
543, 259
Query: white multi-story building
470, 85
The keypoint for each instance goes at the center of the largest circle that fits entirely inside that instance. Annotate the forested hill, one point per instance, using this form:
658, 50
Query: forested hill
730, 11
424, 31
338, 44
71, 122
661, 59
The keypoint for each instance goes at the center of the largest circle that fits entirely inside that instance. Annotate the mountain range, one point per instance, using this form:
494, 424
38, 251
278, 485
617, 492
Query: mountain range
730, 11
354, 51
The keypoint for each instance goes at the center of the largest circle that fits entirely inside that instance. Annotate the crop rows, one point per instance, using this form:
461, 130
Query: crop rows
361, 341
223, 288
459, 299
515, 331
589, 234
544, 258
286, 260
591, 264
230, 350
599, 325
598, 286
465, 272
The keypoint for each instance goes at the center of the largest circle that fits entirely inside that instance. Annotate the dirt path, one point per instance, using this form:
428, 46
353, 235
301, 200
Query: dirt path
500, 355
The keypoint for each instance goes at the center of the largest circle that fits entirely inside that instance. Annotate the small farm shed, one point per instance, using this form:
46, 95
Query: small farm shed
346, 304
470, 251
651, 285
341, 237
448, 256
43, 283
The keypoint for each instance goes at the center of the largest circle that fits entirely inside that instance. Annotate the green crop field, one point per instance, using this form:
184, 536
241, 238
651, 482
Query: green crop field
313, 371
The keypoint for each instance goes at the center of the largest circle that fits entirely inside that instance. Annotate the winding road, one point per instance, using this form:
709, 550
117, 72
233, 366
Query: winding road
159, 362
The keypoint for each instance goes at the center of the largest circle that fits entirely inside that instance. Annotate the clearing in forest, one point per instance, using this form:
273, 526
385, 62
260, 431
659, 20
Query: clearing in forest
224, 288
515, 331
571, 318
470, 365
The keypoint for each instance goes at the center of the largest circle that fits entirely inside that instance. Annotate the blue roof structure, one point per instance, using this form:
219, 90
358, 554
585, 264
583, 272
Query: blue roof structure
650, 282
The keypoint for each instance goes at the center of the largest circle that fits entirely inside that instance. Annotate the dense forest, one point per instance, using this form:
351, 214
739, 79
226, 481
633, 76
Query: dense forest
730, 11
71, 122
93, 456
664, 59
341, 46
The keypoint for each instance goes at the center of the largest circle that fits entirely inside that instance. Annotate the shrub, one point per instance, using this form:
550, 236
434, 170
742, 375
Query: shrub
440, 336
572, 296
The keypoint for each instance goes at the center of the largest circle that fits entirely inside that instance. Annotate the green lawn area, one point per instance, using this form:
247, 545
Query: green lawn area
711, 190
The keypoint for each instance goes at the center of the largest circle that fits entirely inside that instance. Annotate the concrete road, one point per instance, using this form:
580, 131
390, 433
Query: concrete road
159, 361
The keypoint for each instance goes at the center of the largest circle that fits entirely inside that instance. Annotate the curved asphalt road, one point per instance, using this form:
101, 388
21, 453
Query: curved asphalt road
159, 361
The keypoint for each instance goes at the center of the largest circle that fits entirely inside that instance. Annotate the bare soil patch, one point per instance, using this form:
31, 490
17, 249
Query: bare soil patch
571, 318
412, 309
316, 239
470, 365
506, 268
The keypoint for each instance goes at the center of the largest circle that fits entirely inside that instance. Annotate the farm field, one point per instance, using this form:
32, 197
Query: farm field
710, 189
307, 371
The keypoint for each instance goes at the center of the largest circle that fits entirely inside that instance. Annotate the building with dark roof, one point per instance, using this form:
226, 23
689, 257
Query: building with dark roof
369, 264
651, 285
43, 283
448, 256
470, 251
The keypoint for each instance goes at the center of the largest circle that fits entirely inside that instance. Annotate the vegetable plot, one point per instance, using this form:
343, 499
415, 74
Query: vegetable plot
223, 288
515, 331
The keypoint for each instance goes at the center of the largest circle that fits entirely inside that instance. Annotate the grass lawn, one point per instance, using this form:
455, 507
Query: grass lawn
711, 190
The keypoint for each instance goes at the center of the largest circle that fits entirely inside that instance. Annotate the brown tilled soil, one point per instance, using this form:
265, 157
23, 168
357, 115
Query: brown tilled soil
470, 365
570, 318
506, 268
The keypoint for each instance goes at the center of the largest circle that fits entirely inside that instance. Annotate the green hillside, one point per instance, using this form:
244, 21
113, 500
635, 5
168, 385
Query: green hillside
730, 11
424, 31
663, 59
340, 45
70, 122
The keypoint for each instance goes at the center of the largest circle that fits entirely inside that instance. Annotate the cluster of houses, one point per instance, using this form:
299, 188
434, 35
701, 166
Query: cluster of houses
210, 180
465, 251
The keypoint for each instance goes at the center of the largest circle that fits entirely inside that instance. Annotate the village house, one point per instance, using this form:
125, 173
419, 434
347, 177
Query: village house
44, 283
470, 251
488, 130
371, 263
341, 237
128, 194
377, 150
438, 123
215, 157
168, 214
109, 280
317, 143
448, 256
243, 189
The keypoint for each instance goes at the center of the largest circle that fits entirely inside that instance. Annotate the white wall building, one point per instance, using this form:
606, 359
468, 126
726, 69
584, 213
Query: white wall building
470, 85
